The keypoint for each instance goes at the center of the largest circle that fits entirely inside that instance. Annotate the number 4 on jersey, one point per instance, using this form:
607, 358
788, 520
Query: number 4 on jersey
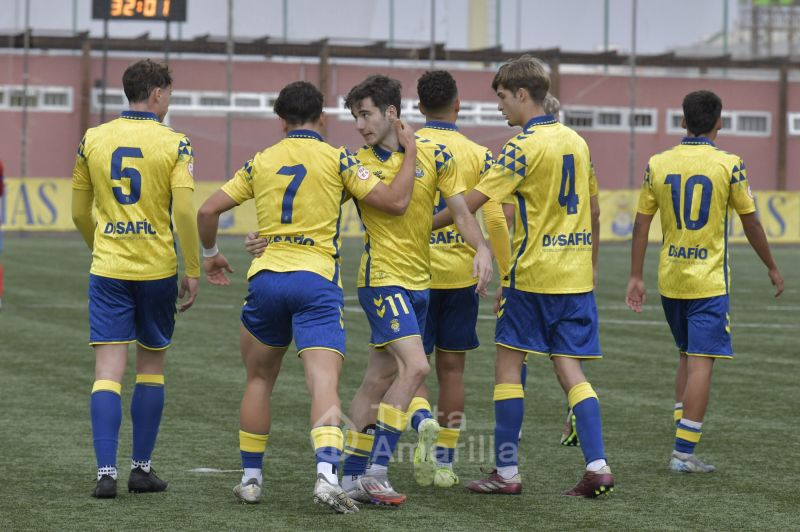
567, 197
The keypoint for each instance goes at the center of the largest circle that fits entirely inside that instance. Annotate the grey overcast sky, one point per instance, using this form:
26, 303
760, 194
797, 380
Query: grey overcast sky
573, 25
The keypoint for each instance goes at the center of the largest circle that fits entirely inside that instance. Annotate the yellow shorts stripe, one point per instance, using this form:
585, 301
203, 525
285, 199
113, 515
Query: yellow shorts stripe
358, 443
448, 438
107, 386
580, 392
149, 379
327, 436
688, 435
253, 443
418, 403
320, 348
508, 391
392, 418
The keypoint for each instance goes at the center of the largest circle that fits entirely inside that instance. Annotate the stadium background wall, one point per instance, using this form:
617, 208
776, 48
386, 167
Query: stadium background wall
43, 204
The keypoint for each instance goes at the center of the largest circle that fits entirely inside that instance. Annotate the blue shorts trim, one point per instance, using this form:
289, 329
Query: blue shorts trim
393, 312
122, 311
452, 317
700, 327
549, 324
300, 304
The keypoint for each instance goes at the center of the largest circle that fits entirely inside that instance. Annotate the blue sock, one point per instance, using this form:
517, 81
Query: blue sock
391, 423
147, 404
357, 448
509, 409
687, 436
418, 411
106, 411
588, 423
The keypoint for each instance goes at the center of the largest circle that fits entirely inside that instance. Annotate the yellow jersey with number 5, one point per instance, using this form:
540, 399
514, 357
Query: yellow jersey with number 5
298, 185
548, 170
396, 248
131, 164
694, 185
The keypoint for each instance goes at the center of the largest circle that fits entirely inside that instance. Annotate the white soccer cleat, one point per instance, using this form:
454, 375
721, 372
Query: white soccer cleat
248, 492
333, 496
689, 463
424, 459
379, 490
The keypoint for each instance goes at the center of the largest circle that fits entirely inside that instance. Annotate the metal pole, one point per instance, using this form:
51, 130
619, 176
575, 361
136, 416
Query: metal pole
74, 16
497, 9
724, 27
519, 25
104, 72
228, 118
391, 27
285, 20
605, 29
632, 111
433, 34
166, 43
25, 78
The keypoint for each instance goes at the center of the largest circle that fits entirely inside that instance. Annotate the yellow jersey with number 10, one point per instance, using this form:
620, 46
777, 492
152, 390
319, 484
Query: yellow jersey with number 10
694, 185
131, 164
396, 248
299, 185
548, 170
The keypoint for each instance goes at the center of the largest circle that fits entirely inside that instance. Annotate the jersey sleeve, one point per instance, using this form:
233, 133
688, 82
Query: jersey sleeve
647, 198
741, 197
183, 171
449, 182
357, 179
593, 188
81, 180
505, 175
240, 186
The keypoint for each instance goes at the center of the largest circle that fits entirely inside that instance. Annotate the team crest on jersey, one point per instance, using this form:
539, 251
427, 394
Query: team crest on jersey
190, 168
395, 325
419, 172
750, 192
362, 173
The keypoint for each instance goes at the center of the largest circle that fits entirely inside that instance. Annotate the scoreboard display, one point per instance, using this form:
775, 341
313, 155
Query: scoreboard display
163, 10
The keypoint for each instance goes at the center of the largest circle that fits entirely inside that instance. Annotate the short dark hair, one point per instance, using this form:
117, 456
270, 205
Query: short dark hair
382, 90
299, 102
702, 110
142, 77
437, 90
526, 72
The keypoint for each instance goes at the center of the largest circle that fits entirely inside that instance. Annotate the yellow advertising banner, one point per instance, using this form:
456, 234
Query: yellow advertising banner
43, 204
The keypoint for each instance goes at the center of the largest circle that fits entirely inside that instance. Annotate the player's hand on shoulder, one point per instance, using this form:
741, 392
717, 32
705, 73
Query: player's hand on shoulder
254, 245
405, 134
636, 295
215, 268
189, 290
777, 281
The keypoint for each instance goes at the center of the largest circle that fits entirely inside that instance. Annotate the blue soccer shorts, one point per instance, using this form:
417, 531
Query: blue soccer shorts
302, 304
549, 324
123, 311
393, 312
452, 317
701, 327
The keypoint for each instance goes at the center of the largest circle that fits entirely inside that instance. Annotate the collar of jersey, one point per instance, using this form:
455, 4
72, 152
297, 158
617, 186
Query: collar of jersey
695, 141
303, 134
436, 124
384, 155
542, 120
139, 115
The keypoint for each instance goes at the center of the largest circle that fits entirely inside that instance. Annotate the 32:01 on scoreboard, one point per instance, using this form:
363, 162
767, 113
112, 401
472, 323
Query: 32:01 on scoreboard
164, 10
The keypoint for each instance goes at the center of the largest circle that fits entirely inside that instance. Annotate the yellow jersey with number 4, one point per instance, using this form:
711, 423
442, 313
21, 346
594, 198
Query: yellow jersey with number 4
548, 170
298, 185
694, 185
131, 164
396, 248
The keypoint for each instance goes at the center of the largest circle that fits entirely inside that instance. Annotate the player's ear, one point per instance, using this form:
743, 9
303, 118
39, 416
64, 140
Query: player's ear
284, 125
457, 105
683, 123
323, 119
718, 125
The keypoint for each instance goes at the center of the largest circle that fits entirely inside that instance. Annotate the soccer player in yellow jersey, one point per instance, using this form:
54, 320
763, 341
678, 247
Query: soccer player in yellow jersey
393, 284
547, 305
453, 306
294, 286
695, 184
137, 173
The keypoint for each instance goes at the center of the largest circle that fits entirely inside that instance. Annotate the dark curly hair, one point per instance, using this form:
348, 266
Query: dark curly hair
299, 102
436, 90
701, 109
382, 90
142, 77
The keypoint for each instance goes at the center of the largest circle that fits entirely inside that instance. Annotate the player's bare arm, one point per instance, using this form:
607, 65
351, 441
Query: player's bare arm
395, 197
754, 232
636, 295
474, 199
214, 263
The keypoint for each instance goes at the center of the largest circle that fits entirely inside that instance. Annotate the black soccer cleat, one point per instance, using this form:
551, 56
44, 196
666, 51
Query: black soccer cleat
141, 482
106, 488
